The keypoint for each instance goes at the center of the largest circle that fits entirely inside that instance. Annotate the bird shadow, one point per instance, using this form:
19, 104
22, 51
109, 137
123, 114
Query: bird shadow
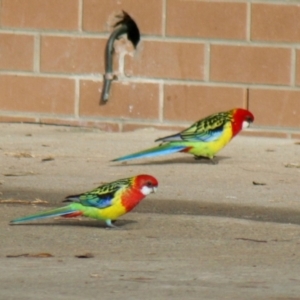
120, 224
282, 215
176, 160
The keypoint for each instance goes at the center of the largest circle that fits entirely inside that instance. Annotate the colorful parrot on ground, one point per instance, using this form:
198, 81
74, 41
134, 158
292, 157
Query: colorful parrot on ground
203, 139
107, 202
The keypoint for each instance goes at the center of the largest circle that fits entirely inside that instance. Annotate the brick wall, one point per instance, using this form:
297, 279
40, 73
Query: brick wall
195, 58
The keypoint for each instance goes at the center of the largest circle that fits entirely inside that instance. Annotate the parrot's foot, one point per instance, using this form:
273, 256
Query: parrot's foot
110, 225
212, 160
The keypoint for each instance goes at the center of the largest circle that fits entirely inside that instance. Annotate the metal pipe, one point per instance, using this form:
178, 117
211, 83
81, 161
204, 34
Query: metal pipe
125, 25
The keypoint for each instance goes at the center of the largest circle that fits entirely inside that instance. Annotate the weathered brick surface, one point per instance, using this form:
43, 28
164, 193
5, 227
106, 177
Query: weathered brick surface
16, 52
167, 60
99, 16
130, 100
39, 14
275, 22
37, 94
206, 19
279, 108
264, 65
195, 58
72, 55
191, 103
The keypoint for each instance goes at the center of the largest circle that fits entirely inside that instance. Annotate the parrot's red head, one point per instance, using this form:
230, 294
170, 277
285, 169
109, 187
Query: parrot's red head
241, 118
142, 185
147, 184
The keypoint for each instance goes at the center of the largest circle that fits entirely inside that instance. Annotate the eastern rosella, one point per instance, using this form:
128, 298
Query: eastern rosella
106, 202
203, 139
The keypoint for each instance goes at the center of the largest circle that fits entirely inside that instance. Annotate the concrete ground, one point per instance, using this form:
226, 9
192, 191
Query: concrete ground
225, 231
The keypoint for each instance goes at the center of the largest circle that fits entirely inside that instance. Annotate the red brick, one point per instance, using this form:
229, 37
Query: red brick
226, 20
265, 65
37, 94
72, 55
17, 119
275, 22
278, 108
295, 136
16, 52
167, 60
191, 103
130, 100
50, 14
99, 16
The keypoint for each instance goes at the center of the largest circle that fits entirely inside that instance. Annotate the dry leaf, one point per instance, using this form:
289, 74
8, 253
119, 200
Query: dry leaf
39, 255
292, 165
86, 255
20, 154
17, 255
20, 174
251, 240
49, 158
94, 275
142, 278
258, 183
36, 201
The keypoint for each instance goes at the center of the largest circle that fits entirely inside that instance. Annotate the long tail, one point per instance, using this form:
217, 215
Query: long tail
163, 149
66, 211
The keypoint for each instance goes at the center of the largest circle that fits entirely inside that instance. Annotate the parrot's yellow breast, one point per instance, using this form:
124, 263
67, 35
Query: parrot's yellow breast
112, 212
209, 149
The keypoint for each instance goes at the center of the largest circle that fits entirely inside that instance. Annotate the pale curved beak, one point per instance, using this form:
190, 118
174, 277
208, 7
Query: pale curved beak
246, 124
154, 189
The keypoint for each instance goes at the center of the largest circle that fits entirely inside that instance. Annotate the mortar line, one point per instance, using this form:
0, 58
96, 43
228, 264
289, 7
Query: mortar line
37, 53
248, 21
80, 16
161, 102
77, 97
164, 17
293, 67
206, 62
167, 81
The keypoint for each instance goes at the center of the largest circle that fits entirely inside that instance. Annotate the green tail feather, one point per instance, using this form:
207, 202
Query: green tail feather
47, 214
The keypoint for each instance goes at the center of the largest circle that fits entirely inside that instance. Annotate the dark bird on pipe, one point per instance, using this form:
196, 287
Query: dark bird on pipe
128, 26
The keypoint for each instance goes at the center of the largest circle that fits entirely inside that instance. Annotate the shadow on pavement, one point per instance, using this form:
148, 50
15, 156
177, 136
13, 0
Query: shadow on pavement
177, 207
188, 159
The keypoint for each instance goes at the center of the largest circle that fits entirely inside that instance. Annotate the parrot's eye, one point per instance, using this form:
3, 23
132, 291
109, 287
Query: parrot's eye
249, 119
149, 184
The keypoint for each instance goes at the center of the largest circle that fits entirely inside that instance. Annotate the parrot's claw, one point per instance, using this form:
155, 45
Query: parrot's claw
212, 160
110, 225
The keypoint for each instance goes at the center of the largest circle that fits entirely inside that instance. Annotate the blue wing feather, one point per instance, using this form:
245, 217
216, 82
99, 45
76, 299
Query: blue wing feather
208, 136
99, 201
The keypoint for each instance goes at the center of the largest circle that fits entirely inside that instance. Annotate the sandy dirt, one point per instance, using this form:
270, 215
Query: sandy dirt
225, 231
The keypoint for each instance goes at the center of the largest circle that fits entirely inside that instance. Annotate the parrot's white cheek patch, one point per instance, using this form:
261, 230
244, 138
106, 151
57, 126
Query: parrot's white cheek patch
146, 190
245, 124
